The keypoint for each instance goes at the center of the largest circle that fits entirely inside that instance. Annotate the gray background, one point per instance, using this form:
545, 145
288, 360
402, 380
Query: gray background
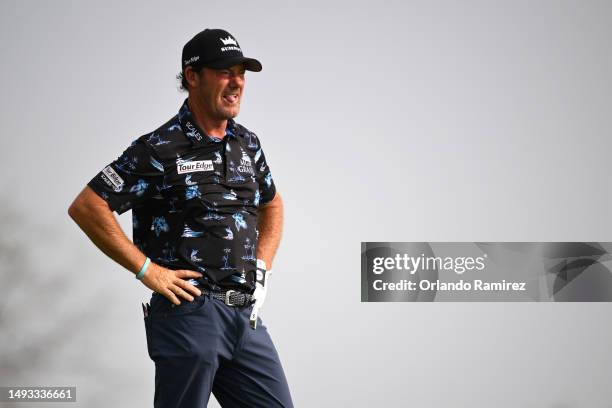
402, 121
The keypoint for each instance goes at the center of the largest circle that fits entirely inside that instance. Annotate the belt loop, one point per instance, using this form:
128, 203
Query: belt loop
203, 291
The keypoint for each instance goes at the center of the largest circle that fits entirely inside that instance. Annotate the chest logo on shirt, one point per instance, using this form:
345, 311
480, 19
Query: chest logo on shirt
245, 164
192, 166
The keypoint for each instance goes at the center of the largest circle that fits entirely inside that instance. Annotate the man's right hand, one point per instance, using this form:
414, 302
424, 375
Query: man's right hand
95, 218
170, 283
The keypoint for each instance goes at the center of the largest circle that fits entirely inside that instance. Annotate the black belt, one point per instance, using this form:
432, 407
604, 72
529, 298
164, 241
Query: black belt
230, 297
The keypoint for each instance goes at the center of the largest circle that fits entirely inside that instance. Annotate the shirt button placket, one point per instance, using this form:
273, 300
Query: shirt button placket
224, 155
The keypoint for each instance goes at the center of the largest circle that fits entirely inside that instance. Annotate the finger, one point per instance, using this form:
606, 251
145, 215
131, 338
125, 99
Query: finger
188, 287
168, 294
184, 273
180, 292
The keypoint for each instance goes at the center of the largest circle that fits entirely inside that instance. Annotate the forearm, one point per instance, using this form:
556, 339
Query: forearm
95, 218
270, 226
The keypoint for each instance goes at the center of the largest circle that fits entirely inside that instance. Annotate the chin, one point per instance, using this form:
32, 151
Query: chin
230, 113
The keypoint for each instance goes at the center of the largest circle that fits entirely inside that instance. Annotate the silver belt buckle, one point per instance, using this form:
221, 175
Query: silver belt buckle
227, 297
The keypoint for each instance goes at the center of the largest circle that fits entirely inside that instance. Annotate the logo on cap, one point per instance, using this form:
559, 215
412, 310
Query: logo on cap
228, 40
192, 59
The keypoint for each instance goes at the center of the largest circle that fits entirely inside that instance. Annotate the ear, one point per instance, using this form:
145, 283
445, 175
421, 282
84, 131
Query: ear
192, 77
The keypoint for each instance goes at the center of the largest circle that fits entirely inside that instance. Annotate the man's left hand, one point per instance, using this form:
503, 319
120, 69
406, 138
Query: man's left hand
262, 277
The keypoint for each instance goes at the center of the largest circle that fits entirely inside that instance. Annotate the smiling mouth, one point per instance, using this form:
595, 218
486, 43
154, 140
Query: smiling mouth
231, 98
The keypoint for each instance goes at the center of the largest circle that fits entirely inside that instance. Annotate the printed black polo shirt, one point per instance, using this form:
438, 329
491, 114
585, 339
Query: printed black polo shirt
194, 198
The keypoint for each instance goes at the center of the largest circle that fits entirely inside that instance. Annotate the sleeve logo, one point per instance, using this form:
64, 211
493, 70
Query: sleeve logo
110, 177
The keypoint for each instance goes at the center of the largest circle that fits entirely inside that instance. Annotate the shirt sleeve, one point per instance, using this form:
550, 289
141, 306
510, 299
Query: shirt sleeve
267, 189
130, 180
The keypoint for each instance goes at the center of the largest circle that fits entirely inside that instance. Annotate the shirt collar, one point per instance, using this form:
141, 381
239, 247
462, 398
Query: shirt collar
194, 133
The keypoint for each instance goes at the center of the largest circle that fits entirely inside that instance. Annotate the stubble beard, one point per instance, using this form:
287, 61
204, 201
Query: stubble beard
226, 113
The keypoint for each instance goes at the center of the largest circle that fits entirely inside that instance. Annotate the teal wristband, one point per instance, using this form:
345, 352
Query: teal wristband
143, 269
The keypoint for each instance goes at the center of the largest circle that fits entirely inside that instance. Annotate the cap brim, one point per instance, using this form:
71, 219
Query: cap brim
250, 64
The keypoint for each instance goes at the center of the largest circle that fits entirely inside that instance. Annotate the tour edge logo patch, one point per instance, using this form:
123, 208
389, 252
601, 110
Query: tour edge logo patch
110, 177
193, 166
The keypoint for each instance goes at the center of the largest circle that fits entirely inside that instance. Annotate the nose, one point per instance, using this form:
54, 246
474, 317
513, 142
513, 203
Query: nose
236, 80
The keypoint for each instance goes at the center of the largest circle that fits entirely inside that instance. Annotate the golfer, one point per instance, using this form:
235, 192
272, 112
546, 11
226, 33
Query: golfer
207, 222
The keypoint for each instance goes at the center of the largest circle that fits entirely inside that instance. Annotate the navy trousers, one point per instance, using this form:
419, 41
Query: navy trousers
207, 346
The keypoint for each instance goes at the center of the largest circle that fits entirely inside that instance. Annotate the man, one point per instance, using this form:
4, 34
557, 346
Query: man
207, 221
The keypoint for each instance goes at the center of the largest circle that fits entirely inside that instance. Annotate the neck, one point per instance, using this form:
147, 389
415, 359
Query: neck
212, 126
